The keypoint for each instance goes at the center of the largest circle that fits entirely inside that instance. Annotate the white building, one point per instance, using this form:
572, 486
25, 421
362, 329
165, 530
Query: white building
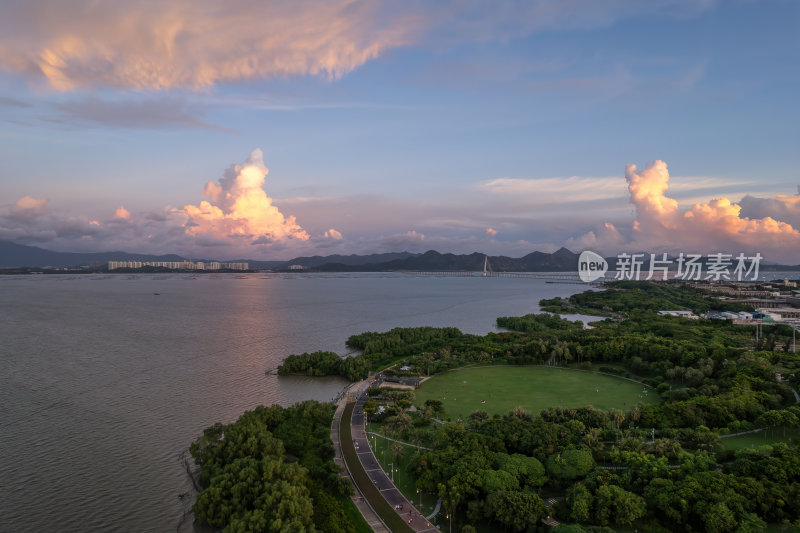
783, 313
177, 265
683, 313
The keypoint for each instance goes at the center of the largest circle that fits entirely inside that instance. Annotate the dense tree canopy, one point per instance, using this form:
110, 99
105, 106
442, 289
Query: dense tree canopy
272, 471
658, 466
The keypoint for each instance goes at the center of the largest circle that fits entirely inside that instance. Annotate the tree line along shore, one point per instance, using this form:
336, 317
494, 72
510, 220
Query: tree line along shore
658, 465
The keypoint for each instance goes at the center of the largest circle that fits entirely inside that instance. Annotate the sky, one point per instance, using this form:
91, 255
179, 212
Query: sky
269, 130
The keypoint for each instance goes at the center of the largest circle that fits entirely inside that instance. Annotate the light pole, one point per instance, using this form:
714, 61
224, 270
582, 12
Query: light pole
420, 499
391, 468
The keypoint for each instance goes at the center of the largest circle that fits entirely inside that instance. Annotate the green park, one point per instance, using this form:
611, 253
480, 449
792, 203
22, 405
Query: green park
499, 389
641, 422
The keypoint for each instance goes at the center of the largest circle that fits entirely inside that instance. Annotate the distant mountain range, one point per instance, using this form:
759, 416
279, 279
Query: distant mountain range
14, 255
18, 255
318, 261
562, 260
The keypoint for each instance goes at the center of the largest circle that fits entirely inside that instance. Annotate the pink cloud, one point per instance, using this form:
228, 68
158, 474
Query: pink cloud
783, 207
713, 226
491, 232
28, 208
140, 44
122, 213
239, 208
193, 43
333, 235
648, 193
605, 238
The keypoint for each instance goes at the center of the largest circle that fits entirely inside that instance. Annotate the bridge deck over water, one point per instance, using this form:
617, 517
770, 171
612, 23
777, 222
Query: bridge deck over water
563, 277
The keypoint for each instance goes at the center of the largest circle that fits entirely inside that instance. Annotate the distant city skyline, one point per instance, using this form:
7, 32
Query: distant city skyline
177, 265
274, 130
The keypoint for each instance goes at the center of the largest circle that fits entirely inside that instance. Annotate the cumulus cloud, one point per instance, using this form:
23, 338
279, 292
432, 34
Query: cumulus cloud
159, 215
55, 229
122, 213
238, 208
491, 232
648, 193
28, 208
606, 238
237, 215
30, 220
784, 207
714, 226
333, 235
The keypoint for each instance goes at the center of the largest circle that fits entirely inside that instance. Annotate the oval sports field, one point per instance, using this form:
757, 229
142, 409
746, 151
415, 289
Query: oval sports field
498, 389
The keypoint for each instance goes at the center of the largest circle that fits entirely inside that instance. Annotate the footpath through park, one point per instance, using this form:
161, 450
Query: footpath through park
381, 503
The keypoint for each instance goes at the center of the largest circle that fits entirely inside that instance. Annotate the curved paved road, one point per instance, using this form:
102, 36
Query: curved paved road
392, 494
361, 503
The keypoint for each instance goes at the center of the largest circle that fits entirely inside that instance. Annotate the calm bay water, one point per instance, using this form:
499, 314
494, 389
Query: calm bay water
106, 380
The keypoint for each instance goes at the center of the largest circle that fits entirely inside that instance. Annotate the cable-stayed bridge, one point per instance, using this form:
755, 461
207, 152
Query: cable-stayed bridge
556, 276
487, 272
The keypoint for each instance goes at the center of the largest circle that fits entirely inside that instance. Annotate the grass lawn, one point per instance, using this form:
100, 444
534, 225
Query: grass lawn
768, 436
354, 516
498, 389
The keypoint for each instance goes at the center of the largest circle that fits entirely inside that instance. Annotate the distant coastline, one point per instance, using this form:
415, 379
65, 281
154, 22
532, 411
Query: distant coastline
21, 259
